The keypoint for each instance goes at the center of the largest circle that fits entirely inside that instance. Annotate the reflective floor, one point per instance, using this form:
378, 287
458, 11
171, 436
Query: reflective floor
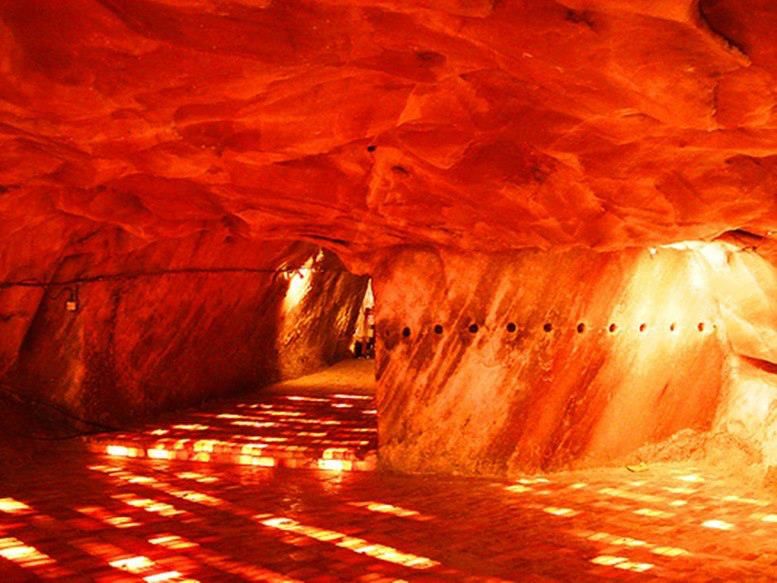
140, 516
299, 430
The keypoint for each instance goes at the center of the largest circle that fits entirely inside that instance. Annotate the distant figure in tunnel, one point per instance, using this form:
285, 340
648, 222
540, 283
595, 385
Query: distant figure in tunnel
369, 318
364, 345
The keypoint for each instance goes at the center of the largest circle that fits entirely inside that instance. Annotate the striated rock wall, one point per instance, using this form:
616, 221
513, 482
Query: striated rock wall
521, 361
173, 323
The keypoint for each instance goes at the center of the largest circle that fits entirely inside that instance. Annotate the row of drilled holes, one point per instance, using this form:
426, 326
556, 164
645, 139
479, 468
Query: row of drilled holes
548, 327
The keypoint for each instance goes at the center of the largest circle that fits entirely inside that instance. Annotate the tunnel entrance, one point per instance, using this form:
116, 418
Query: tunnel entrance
326, 318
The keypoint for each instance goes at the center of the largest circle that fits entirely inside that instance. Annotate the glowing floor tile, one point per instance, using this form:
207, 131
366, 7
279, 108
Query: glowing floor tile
560, 511
669, 551
383, 508
166, 576
608, 560
132, 564
13, 506
694, 478
634, 566
149, 505
100, 513
122, 451
621, 563
357, 545
653, 513
138, 565
172, 541
625, 541
679, 490
335, 465
741, 500
535, 480
250, 460
197, 477
25, 555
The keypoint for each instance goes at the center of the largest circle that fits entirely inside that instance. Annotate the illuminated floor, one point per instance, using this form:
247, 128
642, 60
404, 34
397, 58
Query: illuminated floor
127, 519
145, 516
297, 430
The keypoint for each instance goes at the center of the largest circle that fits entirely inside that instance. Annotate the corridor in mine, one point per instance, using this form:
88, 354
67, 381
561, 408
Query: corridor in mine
238, 492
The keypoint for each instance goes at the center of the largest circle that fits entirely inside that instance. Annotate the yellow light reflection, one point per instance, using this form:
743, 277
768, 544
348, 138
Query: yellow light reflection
335, 465
101, 514
25, 555
384, 508
172, 541
13, 506
139, 564
669, 551
153, 506
621, 563
694, 478
611, 539
262, 461
132, 564
203, 479
717, 524
357, 545
560, 511
653, 513
167, 576
122, 451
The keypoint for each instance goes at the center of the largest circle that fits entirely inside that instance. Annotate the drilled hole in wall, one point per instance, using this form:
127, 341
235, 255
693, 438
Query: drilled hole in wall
580, 328
642, 327
372, 148
701, 326
473, 328
511, 327
438, 329
547, 327
613, 327
405, 331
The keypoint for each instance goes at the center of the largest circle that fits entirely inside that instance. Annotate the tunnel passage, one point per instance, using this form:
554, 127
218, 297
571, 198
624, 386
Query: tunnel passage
101, 344
665, 350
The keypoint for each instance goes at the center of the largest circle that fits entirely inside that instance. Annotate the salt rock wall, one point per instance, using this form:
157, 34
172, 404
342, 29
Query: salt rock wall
170, 324
498, 364
745, 285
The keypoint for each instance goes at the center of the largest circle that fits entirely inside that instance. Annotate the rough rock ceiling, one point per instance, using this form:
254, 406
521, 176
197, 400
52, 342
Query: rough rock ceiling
475, 124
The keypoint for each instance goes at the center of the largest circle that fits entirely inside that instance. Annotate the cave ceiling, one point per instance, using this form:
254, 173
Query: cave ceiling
363, 125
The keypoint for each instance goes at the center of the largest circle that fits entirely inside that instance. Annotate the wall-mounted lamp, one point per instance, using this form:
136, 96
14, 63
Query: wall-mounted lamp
71, 303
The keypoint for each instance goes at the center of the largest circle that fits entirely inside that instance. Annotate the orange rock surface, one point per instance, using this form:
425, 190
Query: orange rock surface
477, 125
158, 136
